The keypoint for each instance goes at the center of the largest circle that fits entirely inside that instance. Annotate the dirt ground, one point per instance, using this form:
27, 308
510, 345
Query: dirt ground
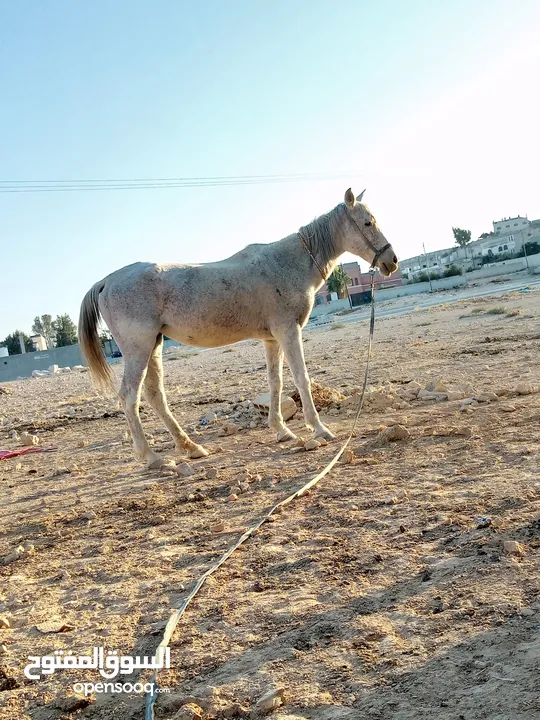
386, 592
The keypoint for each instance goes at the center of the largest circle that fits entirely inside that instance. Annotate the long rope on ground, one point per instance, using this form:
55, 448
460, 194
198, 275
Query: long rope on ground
180, 610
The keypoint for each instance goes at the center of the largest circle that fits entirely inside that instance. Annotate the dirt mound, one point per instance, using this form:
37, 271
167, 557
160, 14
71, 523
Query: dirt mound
323, 396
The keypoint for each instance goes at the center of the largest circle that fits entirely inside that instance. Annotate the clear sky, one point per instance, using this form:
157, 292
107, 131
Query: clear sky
432, 105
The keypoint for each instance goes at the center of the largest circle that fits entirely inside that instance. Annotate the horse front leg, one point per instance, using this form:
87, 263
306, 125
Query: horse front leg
274, 367
291, 342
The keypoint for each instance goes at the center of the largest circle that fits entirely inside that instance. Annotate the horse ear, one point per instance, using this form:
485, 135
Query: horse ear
349, 198
359, 198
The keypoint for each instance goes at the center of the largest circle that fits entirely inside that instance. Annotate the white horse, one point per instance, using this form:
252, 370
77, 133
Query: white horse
264, 292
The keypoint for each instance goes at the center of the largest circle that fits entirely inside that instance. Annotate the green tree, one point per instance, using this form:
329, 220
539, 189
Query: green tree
13, 344
462, 238
44, 325
66, 331
338, 281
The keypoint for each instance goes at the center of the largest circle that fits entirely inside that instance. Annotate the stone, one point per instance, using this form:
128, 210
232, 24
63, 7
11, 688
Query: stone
312, 444
295, 450
524, 388
463, 431
209, 419
486, 397
453, 395
54, 626
3, 650
218, 527
29, 440
90, 515
235, 490
82, 443
4, 623
437, 386
395, 432
468, 401
53, 369
190, 711
14, 555
271, 700
71, 703
227, 429
392, 500
211, 473
232, 498
63, 575
347, 457
512, 547
288, 408
507, 407
185, 470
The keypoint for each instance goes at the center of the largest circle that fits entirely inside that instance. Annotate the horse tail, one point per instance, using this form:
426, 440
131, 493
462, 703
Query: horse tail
89, 339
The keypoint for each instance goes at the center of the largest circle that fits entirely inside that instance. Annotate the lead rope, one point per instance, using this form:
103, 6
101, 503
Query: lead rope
177, 614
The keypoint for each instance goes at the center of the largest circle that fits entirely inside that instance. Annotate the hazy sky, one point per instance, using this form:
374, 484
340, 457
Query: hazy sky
432, 104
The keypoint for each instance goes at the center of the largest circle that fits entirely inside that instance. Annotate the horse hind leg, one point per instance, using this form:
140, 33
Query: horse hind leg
135, 367
274, 367
154, 392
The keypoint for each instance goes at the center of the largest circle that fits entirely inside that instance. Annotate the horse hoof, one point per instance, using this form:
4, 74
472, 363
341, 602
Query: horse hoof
285, 435
325, 433
197, 452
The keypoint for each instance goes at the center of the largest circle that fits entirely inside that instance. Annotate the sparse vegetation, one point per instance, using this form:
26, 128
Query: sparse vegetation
337, 326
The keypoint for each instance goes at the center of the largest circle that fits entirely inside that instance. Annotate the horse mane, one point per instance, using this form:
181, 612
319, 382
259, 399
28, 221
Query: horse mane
319, 235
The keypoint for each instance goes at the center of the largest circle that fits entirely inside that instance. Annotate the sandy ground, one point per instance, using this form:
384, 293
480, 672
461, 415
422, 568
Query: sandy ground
378, 595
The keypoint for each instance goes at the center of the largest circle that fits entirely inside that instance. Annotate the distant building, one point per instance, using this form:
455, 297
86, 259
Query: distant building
360, 283
39, 342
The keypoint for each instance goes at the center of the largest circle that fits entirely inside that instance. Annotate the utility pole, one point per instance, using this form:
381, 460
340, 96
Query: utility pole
427, 266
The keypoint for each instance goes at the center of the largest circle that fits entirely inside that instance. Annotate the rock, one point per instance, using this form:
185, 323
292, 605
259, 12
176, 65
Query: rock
295, 450
232, 498
392, 500
468, 401
73, 702
271, 700
14, 555
524, 388
429, 395
29, 440
54, 626
63, 575
413, 386
526, 612
486, 397
40, 373
227, 429
209, 419
90, 515
507, 407
83, 443
395, 432
288, 408
4, 623
235, 490
300, 442
322, 441
463, 431
453, 395
185, 470
312, 444
3, 650
190, 711
347, 457
437, 386
60, 471
211, 473
218, 527
253, 424
53, 369
512, 547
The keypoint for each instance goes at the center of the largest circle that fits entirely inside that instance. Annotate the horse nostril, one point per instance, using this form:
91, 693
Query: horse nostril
394, 259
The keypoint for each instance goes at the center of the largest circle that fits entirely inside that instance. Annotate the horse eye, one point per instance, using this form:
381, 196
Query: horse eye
368, 223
